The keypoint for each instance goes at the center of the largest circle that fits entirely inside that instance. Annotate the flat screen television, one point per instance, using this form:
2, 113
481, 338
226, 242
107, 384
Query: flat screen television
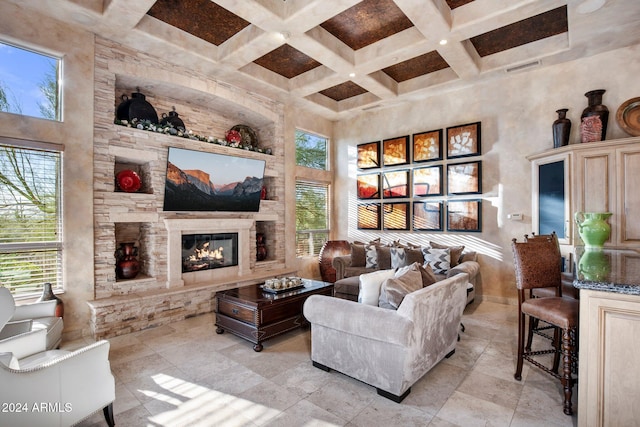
201, 181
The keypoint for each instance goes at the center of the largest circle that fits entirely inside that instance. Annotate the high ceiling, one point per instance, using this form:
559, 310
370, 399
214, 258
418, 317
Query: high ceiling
340, 57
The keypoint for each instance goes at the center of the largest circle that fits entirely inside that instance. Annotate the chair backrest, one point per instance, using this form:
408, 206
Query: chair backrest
7, 306
537, 264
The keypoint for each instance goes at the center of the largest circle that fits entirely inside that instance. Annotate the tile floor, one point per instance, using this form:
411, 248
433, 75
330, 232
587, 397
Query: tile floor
187, 375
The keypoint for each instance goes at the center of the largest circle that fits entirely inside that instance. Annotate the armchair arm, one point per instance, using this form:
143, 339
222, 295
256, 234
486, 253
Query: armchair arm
340, 263
16, 328
353, 318
470, 267
26, 344
34, 310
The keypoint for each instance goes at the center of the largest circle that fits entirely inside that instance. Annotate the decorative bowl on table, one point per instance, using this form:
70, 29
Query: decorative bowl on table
282, 284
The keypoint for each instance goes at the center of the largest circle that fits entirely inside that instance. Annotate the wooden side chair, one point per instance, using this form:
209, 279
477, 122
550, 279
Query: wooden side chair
537, 265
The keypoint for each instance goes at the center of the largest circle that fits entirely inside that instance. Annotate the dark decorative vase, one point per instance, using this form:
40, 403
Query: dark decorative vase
173, 119
127, 265
48, 295
136, 107
261, 249
594, 119
561, 129
330, 250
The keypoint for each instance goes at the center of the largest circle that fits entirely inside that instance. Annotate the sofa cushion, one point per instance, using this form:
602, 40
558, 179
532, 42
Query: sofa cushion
428, 276
456, 251
357, 255
398, 257
370, 285
438, 259
383, 254
371, 256
394, 289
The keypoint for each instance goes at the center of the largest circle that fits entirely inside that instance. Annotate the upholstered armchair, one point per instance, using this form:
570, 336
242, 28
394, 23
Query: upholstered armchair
53, 387
29, 317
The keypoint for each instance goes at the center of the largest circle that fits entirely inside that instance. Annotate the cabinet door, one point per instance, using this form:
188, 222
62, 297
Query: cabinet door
594, 186
628, 183
551, 196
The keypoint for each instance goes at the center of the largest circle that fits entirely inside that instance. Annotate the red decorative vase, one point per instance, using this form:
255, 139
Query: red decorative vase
48, 295
127, 265
263, 193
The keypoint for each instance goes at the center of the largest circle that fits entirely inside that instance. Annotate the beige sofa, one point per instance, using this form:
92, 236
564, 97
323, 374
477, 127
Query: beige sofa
388, 349
348, 270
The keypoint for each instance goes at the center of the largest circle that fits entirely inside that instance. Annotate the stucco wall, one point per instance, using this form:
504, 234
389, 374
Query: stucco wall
75, 132
516, 114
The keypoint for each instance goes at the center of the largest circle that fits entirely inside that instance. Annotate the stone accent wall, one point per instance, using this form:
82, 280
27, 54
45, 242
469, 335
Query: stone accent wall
208, 108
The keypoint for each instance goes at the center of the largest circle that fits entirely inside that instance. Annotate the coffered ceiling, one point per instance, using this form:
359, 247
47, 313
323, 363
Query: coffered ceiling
340, 57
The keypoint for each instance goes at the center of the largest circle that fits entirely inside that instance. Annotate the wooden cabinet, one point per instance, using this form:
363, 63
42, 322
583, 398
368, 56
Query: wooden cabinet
608, 386
597, 177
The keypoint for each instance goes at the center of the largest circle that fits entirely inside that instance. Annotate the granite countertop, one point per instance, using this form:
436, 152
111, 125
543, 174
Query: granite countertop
608, 270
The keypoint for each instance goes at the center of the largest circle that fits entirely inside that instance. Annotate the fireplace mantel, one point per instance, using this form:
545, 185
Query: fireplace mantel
177, 227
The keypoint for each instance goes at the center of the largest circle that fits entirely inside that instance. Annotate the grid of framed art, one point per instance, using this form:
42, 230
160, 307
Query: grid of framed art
422, 182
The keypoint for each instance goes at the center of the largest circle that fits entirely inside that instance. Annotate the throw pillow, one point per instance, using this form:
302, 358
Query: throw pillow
370, 284
394, 289
456, 252
438, 259
398, 257
428, 276
384, 257
357, 255
414, 255
371, 256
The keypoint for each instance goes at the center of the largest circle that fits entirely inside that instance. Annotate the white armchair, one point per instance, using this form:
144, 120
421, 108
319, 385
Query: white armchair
53, 387
42, 387
29, 317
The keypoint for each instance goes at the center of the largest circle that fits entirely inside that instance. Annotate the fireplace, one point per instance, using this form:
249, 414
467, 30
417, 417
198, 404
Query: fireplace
208, 251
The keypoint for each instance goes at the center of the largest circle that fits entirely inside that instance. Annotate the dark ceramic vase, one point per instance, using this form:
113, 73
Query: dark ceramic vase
127, 265
561, 129
48, 295
136, 107
261, 249
594, 119
173, 119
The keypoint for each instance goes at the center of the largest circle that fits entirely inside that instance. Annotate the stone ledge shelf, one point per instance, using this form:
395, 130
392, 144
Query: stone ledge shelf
133, 312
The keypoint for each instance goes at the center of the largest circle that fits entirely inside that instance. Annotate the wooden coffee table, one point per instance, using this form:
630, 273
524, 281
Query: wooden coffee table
256, 315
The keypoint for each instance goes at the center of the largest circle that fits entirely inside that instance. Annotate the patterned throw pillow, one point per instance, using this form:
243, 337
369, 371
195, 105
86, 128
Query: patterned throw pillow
456, 251
398, 257
371, 256
438, 259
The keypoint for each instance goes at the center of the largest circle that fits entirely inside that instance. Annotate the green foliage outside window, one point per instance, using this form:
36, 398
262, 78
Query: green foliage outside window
311, 150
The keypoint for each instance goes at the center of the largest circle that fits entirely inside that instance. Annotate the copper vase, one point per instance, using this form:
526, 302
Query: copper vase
127, 265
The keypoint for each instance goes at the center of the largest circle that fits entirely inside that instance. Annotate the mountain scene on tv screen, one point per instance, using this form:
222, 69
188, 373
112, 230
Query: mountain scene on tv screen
192, 190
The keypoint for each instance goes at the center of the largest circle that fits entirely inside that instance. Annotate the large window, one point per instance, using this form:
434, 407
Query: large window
30, 234
29, 83
312, 217
312, 193
311, 150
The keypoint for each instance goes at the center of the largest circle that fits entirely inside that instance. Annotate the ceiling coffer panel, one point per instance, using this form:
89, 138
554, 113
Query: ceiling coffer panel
343, 91
201, 18
367, 22
415, 67
537, 27
287, 61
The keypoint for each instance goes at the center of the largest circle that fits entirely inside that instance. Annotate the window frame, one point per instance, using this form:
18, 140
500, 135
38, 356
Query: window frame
320, 177
45, 245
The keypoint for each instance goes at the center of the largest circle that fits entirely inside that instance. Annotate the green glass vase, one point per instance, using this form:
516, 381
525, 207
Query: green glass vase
593, 228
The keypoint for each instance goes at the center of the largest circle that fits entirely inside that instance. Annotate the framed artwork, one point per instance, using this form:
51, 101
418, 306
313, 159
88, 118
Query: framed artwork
427, 181
369, 186
427, 146
463, 140
395, 151
427, 216
395, 216
464, 178
369, 155
464, 215
369, 216
395, 184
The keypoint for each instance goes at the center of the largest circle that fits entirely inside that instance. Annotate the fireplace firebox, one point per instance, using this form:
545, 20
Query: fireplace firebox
208, 251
